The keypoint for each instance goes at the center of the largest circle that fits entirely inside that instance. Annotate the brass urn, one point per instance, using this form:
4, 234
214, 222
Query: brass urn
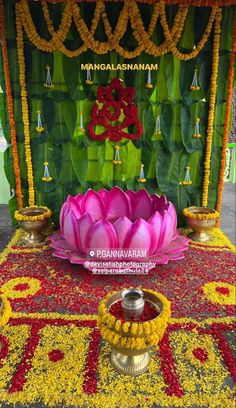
201, 220
134, 361
33, 221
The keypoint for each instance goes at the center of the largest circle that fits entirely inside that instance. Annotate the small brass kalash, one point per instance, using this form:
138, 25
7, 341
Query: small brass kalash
133, 364
201, 220
135, 360
33, 227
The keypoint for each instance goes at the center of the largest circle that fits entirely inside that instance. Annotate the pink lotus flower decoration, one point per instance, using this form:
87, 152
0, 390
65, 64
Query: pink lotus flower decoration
117, 219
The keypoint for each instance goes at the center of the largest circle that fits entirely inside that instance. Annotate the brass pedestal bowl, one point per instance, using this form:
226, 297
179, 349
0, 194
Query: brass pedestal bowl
131, 341
33, 220
201, 220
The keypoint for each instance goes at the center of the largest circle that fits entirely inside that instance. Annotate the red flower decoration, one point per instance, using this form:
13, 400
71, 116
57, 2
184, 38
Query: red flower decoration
200, 354
56, 355
115, 100
223, 290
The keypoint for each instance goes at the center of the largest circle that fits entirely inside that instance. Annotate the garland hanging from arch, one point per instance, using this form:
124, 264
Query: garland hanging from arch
227, 117
16, 167
211, 112
130, 11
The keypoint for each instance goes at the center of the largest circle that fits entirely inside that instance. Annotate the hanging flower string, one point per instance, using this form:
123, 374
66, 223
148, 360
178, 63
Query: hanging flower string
227, 118
149, 80
197, 133
39, 126
81, 122
141, 174
187, 179
117, 155
25, 108
88, 80
195, 86
46, 177
158, 126
48, 83
10, 108
211, 113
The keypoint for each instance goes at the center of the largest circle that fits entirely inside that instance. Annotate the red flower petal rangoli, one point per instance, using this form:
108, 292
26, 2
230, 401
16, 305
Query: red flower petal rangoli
223, 290
200, 354
55, 355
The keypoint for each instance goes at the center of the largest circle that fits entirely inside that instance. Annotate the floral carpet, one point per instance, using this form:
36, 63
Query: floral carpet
52, 352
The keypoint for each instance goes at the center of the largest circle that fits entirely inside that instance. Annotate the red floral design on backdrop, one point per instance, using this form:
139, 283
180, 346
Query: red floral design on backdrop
113, 101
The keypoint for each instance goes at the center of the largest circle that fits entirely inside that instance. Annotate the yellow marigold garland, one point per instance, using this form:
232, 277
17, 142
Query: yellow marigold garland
45, 215
25, 109
211, 112
227, 117
10, 108
133, 335
200, 216
130, 11
5, 310
169, 39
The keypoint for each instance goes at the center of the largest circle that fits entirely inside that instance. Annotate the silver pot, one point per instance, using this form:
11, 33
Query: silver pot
132, 302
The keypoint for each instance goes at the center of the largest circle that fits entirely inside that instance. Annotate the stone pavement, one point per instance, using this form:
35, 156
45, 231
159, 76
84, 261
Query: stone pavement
227, 217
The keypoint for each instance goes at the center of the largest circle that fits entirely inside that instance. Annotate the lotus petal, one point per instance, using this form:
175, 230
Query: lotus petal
141, 236
101, 234
132, 197
63, 213
156, 222
172, 212
83, 225
70, 231
159, 203
103, 194
178, 245
166, 231
93, 205
117, 204
122, 227
79, 198
143, 205
74, 206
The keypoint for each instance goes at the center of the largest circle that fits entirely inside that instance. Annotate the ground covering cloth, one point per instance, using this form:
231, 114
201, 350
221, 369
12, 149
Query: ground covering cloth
52, 352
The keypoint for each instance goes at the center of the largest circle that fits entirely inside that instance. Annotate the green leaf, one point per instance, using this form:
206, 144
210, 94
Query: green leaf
170, 168
171, 127
79, 161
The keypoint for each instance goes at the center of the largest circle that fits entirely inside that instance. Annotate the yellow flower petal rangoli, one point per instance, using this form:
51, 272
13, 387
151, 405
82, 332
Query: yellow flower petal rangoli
221, 293
21, 287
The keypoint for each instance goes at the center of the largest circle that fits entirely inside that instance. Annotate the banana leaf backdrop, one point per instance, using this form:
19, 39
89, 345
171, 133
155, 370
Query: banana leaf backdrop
75, 161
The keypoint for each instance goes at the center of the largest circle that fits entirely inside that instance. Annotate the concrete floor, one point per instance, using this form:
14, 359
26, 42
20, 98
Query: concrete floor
227, 217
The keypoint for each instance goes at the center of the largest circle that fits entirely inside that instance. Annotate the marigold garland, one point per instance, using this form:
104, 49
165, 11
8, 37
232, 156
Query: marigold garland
10, 108
140, 335
25, 109
23, 217
227, 117
130, 11
200, 216
211, 112
5, 311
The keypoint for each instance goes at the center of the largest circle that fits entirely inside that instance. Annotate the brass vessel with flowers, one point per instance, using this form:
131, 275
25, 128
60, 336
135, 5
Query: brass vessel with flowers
33, 220
201, 220
130, 340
